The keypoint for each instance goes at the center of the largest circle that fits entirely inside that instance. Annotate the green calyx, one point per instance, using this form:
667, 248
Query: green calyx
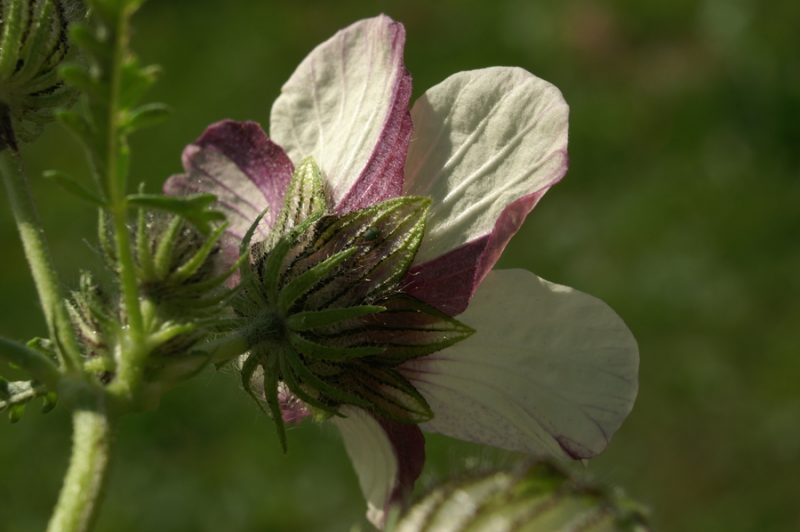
33, 43
321, 306
183, 300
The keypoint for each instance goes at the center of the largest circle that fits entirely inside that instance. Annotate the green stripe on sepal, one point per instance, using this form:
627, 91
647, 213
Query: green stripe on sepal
313, 319
408, 328
313, 349
303, 283
389, 394
270, 269
333, 394
387, 236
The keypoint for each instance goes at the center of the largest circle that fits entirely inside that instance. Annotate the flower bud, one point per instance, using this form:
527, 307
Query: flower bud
178, 267
33, 43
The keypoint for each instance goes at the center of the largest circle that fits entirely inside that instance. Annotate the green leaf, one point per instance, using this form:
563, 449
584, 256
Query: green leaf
535, 498
37, 365
79, 126
195, 208
16, 394
136, 81
79, 77
91, 42
73, 187
144, 116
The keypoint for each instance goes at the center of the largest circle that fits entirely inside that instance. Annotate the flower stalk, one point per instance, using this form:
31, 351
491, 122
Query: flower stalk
38, 257
86, 477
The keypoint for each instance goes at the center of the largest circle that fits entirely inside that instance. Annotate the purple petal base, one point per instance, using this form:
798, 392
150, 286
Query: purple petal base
409, 448
449, 281
382, 177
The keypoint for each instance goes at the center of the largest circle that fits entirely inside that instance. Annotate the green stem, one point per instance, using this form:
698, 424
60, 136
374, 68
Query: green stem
36, 252
225, 348
116, 183
35, 363
83, 485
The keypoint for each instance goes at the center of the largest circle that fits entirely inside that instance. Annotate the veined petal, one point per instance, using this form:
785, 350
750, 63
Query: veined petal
387, 456
550, 370
347, 106
245, 170
487, 145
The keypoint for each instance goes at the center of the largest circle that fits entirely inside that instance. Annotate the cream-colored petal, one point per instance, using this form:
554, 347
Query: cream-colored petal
373, 458
550, 370
483, 140
347, 106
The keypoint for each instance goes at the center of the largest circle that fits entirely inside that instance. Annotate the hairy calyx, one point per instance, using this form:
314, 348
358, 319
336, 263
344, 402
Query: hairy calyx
321, 305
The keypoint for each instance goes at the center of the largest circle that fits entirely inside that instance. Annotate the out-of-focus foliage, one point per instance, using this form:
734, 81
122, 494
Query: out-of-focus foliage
680, 210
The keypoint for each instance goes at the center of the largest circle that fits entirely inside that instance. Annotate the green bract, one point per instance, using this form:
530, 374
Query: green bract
321, 308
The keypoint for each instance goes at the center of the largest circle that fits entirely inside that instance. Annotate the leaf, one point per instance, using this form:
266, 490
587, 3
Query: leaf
144, 116
90, 41
78, 125
536, 498
73, 187
16, 394
136, 81
79, 77
194, 208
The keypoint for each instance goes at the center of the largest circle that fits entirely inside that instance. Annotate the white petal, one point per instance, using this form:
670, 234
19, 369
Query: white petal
345, 106
550, 370
482, 140
373, 457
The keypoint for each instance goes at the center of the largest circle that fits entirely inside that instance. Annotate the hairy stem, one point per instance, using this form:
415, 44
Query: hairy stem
35, 363
226, 348
38, 256
116, 181
83, 485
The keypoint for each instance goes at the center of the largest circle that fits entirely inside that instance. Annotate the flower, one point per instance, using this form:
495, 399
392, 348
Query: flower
549, 370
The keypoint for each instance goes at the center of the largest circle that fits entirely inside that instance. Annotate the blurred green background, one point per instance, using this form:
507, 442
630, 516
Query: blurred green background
681, 209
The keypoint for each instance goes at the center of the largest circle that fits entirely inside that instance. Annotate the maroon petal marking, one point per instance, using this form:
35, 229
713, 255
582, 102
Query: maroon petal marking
449, 281
242, 167
263, 161
382, 178
347, 105
408, 444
